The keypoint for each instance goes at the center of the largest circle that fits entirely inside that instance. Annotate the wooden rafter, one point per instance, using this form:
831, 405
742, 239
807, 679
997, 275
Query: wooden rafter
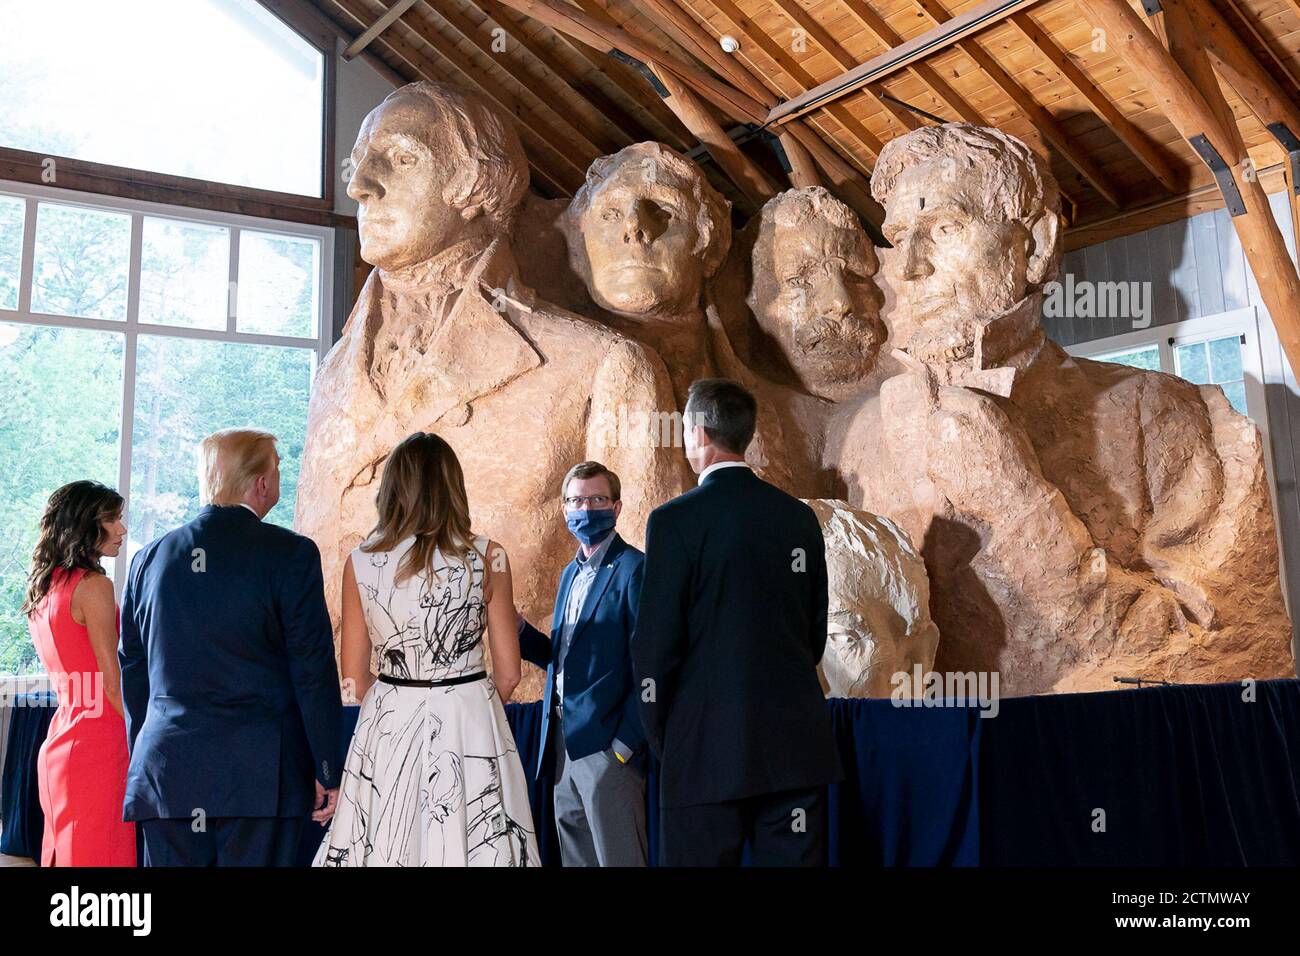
385, 20
801, 18
740, 169
888, 38
1182, 80
1150, 155
629, 130
1042, 120
927, 44
750, 33
559, 15
803, 145
588, 141
557, 170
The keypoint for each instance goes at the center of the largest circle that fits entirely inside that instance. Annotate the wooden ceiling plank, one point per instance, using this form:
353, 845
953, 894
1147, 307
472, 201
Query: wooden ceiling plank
567, 176
1132, 137
888, 38
681, 26
1037, 115
384, 21
801, 77
1183, 81
802, 19
1236, 64
481, 39
631, 130
927, 44
561, 16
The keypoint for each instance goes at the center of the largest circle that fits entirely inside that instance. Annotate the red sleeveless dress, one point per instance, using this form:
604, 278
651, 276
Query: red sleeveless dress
81, 769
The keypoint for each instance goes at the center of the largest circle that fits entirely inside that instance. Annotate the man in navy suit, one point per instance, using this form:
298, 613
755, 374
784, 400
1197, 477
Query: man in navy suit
730, 629
592, 742
228, 675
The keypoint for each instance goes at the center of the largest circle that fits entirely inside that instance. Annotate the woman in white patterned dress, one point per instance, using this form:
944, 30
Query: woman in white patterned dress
432, 777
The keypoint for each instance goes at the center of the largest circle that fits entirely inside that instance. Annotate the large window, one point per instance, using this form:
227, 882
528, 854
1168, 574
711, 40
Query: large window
215, 90
127, 333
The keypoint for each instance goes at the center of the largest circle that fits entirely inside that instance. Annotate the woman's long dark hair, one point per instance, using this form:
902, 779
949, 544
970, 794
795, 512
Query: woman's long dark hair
422, 494
72, 532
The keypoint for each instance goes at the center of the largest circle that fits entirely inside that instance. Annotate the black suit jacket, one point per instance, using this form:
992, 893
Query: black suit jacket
229, 682
731, 626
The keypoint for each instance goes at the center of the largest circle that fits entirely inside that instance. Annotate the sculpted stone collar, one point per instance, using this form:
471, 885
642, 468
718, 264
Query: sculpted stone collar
440, 274
474, 351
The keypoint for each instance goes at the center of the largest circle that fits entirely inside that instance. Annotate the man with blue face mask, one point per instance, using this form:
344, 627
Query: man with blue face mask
593, 746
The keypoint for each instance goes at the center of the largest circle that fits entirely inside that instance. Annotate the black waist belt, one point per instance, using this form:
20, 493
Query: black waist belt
445, 682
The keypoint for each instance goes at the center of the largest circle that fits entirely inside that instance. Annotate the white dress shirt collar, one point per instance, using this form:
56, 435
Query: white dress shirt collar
717, 466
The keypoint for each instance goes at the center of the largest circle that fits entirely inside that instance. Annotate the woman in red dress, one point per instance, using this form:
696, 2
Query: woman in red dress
73, 619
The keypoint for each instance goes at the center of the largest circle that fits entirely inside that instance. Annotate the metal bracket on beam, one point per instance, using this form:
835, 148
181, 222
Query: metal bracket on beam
774, 142
1289, 142
643, 70
1222, 174
1152, 7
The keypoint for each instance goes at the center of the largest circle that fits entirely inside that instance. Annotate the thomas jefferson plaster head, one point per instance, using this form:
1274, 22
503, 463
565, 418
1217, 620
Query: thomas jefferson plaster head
974, 218
812, 292
432, 166
645, 231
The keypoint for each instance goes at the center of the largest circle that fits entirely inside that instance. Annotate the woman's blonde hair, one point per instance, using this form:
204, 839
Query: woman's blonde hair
229, 462
422, 495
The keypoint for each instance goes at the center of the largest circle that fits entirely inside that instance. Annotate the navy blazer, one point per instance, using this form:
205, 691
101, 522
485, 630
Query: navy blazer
731, 627
600, 699
229, 681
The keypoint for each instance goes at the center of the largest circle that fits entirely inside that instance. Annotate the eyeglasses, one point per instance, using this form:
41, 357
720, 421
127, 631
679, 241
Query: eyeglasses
577, 501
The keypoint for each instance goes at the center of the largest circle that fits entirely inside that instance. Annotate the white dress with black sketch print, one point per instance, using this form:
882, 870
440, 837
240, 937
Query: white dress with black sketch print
432, 777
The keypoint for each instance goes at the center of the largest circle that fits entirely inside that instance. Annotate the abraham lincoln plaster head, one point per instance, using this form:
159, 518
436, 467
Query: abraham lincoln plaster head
433, 166
812, 292
974, 219
645, 230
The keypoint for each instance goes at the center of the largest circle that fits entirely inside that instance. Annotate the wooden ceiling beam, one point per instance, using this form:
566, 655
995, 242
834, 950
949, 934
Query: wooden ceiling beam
1183, 82
749, 32
631, 131
385, 20
803, 166
590, 143
740, 169
801, 18
803, 169
1233, 61
1137, 141
562, 174
683, 28
1043, 121
559, 15
888, 38
968, 23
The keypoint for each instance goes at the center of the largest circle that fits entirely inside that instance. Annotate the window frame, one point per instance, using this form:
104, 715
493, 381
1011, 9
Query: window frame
131, 328
101, 179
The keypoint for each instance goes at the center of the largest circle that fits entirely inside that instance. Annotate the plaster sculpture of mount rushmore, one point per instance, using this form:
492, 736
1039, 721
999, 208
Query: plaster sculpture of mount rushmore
989, 503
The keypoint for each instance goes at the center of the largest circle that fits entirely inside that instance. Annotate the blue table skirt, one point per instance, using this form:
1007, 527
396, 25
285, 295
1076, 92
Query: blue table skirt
1190, 775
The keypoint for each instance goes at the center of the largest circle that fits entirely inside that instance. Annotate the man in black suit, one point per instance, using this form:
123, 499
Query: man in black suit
228, 675
730, 629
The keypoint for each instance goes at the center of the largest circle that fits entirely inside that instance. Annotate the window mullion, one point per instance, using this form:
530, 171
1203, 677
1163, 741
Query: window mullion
232, 295
27, 258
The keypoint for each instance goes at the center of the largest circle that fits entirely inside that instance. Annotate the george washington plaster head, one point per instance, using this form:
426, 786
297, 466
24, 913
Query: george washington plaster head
974, 218
645, 230
812, 292
433, 165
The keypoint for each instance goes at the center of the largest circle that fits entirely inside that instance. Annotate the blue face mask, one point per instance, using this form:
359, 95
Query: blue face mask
591, 525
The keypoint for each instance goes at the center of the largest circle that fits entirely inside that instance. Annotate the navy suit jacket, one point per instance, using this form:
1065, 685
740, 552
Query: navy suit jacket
731, 627
229, 682
600, 698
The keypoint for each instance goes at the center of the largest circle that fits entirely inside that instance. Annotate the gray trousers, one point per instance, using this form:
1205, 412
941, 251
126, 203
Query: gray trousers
599, 808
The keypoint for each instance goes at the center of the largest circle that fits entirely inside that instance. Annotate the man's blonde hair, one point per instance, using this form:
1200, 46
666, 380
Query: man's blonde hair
230, 460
